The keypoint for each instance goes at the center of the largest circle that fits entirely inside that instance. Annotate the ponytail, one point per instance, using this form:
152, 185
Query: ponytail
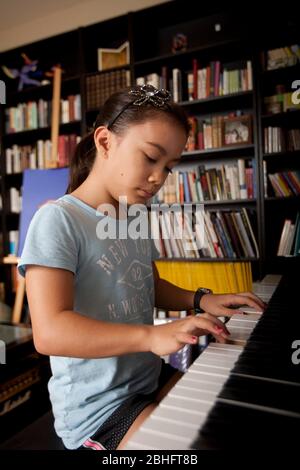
81, 162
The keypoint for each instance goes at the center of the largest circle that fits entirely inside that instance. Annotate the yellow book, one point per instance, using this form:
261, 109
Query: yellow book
223, 277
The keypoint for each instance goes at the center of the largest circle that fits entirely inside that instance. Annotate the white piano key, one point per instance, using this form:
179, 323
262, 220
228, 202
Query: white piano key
200, 369
198, 375
217, 353
271, 280
188, 385
131, 446
208, 357
170, 428
219, 361
209, 352
221, 352
196, 395
183, 403
264, 297
251, 311
186, 416
265, 288
216, 366
221, 346
151, 440
239, 333
240, 324
239, 330
246, 310
250, 317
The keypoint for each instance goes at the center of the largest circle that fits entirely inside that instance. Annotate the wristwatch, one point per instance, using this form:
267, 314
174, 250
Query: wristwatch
198, 296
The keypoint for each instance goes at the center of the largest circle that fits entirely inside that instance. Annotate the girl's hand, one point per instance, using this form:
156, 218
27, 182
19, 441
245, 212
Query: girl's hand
171, 337
219, 304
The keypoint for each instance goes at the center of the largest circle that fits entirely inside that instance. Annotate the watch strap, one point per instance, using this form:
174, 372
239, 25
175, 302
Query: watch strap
198, 296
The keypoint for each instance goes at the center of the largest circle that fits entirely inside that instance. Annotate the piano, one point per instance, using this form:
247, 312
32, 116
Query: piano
244, 393
24, 375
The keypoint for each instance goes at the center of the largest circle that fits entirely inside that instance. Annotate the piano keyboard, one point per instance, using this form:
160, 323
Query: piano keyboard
231, 393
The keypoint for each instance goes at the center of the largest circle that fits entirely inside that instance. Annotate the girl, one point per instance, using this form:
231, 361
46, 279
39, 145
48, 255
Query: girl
91, 297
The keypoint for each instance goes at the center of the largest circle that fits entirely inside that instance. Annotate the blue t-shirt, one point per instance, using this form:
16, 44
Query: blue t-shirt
113, 281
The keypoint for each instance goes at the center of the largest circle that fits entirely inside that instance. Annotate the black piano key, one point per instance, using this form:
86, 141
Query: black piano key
262, 408
277, 365
234, 427
278, 396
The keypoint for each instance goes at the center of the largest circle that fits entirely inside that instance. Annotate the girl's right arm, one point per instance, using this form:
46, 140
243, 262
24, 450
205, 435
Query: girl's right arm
60, 331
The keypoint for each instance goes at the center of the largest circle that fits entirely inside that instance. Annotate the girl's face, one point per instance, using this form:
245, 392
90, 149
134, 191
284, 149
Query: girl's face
138, 163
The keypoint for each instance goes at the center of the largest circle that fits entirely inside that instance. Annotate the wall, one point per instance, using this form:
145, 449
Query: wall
25, 22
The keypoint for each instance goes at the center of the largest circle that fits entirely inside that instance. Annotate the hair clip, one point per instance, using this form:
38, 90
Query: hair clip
144, 94
149, 94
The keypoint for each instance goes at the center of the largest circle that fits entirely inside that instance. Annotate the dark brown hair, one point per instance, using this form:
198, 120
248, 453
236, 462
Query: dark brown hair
118, 115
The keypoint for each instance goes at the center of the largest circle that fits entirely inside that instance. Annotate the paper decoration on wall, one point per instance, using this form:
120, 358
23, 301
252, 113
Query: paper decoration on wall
29, 74
110, 58
29, 67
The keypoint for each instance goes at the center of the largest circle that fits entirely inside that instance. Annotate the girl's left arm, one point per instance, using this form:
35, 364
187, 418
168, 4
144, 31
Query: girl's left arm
171, 297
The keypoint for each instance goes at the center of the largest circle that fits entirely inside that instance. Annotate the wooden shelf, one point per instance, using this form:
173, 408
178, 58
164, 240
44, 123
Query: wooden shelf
112, 69
225, 202
191, 51
230, 202
208, 260
279, 116
281, 71
62, 126
34, 134
212, 99
287, 153
281, 199
217, 152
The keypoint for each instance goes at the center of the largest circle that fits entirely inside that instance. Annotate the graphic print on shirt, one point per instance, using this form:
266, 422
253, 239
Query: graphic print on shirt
136, 280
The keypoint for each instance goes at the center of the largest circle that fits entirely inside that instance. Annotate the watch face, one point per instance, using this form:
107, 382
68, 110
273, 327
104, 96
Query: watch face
206, 291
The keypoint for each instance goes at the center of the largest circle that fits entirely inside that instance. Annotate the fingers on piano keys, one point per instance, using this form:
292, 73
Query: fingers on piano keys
179, 419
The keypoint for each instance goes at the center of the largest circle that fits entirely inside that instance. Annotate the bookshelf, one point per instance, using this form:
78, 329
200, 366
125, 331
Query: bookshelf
279, 148
215, 34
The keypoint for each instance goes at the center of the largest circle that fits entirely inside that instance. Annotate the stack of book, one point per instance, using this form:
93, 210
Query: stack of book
277, 139
100, 86
19, 158
289, 244
285, 184
213, 234
216, 79
282, 57
35, 115
217, 183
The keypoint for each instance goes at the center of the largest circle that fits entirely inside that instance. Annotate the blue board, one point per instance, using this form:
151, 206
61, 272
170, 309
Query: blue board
39, 186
